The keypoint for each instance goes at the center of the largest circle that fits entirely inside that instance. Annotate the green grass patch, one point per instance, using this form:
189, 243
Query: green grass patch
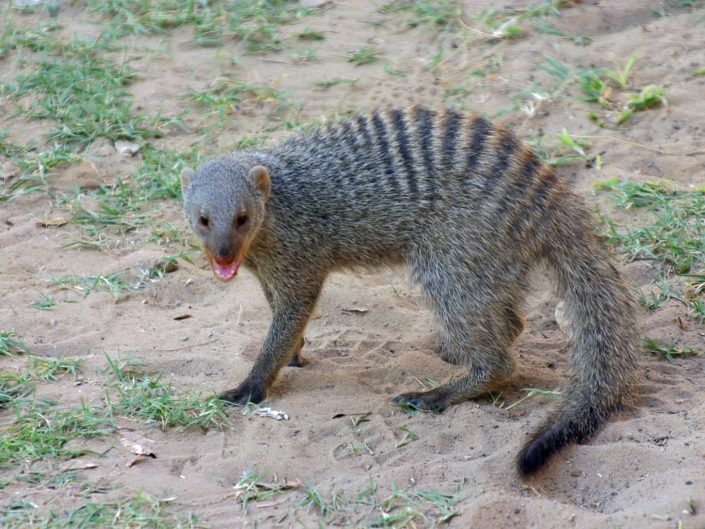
45, 302
327, 83
695, 4
508, 21
568, 150
672, 232
49, 369
224, 96
146, 397
544, 27
669, 352
604, 86
119, 283
254, 23
114, 284
409, 408
11, 344
252, 487
34, 39
650, 96
400, 508
83, 93
368, 508
33, 167
407, 436
38, 430
158, 178
17, 384
364, 55
443, 15
309, 34
450, 16
131, 204
14, 386
72, 85
137, 511
114, 211
661, 292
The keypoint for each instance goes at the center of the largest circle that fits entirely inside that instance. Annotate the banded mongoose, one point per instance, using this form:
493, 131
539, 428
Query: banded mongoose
466, 207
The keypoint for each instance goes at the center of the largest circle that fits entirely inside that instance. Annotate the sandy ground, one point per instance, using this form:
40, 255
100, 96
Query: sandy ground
644, 469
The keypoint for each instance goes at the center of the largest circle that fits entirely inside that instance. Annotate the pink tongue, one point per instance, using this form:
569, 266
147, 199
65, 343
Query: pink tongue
226, 272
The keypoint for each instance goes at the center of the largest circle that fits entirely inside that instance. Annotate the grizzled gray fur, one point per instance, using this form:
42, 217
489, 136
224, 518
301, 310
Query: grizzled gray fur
466, 207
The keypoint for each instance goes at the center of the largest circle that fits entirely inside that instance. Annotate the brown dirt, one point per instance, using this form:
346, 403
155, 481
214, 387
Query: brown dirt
641, 470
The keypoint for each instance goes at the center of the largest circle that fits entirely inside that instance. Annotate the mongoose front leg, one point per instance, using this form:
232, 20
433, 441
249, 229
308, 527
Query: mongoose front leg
296, 359
281, 346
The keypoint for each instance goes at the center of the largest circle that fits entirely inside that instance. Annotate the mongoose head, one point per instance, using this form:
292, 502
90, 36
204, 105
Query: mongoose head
224, 204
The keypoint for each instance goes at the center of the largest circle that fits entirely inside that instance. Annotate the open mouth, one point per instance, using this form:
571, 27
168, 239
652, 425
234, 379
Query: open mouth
225, 271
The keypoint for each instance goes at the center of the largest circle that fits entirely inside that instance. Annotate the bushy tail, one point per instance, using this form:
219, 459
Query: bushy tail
604, 333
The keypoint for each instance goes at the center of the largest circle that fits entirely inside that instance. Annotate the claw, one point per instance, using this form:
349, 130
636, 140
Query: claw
420, 401
242, 395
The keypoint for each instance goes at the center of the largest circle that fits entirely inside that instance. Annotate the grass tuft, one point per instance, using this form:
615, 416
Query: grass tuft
11, 344
252, 487
673, 233
255, 23
146, 397
40, 430
119, 283
225, 97
668, 352
675, 229
137, 511
444, 15
364, 55
16, 385
85, 95
599, 85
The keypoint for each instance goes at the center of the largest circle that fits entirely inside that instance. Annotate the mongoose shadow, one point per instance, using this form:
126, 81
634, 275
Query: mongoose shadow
466, 207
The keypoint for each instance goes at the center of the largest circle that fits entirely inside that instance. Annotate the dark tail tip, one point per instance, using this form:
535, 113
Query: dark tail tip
536, 453
572, 426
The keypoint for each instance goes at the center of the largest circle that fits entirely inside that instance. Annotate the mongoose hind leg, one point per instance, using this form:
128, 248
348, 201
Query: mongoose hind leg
479, 319
486, 369
447, 351
477, 382
297, 360
444, 346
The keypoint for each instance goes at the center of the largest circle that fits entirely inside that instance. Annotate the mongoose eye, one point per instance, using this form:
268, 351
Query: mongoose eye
242, 219
203, 221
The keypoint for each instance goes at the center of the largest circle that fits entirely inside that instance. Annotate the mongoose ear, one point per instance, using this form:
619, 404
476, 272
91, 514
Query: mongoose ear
187, 176
259, 176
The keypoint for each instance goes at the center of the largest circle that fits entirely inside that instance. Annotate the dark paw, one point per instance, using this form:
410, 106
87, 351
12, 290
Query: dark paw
297, 361
420, 401
243, 395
